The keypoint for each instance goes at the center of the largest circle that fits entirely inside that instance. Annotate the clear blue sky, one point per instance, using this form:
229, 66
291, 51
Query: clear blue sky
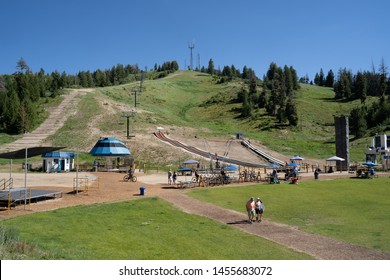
77, 35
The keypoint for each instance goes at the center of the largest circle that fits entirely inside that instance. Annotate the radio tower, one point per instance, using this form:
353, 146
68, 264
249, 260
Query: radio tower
191, 46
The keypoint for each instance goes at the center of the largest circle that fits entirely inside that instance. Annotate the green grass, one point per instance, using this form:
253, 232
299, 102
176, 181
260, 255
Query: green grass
144, 229
356, 211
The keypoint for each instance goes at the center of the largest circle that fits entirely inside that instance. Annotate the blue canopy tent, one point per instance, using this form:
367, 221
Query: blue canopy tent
293, 164
231, 167
272, 165
108, 148
184, 171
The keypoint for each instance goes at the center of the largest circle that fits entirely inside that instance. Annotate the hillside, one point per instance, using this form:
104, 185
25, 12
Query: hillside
194, 109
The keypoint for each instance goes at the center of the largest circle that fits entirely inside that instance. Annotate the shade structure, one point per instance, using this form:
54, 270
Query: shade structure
335, 158
31, 152
293, 164
191, 161
184, 169
297, 158
272, 165
110, 147
231, 167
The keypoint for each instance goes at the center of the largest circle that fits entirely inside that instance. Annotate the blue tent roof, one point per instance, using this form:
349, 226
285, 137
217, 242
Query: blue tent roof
58, 155
231, 167
184, 169
110, 147
272, 165
293, 164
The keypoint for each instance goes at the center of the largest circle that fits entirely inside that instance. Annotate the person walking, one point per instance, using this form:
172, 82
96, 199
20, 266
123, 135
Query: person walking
250, 208
258, 209
197, 175
261, 211
316, 173
170, 177
174, 177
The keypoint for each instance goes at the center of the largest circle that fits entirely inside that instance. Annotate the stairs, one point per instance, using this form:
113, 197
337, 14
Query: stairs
56, 119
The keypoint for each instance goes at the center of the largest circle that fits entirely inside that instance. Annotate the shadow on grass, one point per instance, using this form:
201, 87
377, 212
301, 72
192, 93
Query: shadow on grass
242, 222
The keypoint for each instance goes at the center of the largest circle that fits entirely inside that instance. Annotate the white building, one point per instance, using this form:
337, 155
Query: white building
58, 162
379, 151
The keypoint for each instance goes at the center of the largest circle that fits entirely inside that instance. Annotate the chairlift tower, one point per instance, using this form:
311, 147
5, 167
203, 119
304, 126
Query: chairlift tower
128, 115
191, 46
134, 92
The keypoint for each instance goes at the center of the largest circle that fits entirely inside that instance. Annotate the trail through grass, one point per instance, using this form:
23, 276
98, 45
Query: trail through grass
354, 210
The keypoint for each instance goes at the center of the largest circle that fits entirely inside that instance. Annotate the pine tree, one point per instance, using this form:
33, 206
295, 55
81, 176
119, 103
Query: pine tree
247, 106
383, 79
321, 78
211, 69
262, 102
288, 81
22, 66
291, 112
361, 87
329, 80
358, 122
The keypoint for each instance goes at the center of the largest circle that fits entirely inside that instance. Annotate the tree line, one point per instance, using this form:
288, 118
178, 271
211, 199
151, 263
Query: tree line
366, 118
22, 93
375, 117
277, 95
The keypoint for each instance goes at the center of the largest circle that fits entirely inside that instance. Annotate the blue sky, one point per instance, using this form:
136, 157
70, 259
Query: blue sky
77, 35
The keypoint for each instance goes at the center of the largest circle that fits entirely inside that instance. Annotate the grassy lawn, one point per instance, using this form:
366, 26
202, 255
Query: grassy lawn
147, 229
354, 210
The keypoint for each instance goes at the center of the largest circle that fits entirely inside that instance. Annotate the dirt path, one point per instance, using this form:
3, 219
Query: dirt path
109, 187
320, 247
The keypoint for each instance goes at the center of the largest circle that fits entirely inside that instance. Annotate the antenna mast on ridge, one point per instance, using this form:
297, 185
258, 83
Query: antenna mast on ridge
191, 46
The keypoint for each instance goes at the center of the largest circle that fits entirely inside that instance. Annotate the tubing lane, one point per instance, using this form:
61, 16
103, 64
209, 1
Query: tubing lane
161, 136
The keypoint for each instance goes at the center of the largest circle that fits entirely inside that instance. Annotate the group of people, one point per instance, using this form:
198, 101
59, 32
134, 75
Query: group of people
172, 177
255, 209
